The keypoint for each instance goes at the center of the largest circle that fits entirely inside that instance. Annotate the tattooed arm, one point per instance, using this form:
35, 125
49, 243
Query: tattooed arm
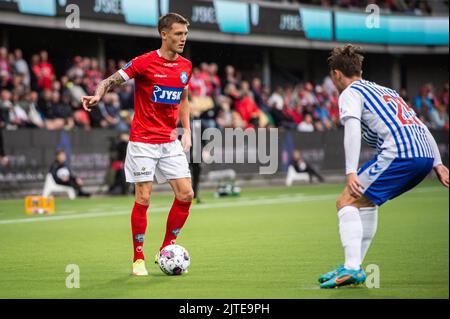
103, 87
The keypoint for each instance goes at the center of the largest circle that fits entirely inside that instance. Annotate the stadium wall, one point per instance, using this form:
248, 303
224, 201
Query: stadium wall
31, 153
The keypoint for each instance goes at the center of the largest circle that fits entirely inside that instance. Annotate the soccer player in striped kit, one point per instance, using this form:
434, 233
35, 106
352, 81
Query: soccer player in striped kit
161, 80
406, 154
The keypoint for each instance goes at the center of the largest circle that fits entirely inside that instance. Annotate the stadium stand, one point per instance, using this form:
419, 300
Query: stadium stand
33, 95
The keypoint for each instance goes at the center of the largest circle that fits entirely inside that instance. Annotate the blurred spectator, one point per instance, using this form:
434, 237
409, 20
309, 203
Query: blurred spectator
300, 166
76, 89
63, 175
424, 103
278, 111
307, 124
44, 72
246, 107
20, 67
5, 107
29, 104
5, 69
216, 85
17, 115
5, 81
111, 68
439, 118
110, 109
257, 91
224, 117
230, 76
76, 71
35, 97
126, 96
197, 86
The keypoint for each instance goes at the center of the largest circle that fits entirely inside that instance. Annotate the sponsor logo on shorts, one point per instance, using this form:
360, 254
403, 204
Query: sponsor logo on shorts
143, 172
139, 238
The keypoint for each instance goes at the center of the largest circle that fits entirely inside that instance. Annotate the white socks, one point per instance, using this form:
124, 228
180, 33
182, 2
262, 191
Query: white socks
351, 231
369, 220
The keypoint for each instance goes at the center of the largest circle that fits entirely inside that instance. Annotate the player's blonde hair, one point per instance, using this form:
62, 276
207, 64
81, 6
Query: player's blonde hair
166, 21
347, 59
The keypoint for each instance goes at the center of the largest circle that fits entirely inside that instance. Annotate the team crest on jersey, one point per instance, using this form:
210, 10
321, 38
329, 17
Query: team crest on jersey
126, 66
184, 77
166, 95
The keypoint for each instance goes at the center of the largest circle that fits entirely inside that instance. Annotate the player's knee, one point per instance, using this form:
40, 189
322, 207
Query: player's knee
143, 198
185, 196
341, 201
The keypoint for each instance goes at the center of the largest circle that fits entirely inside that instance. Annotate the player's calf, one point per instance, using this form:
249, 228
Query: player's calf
175, 221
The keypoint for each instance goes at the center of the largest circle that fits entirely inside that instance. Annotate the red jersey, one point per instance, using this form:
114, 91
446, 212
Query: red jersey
159, 84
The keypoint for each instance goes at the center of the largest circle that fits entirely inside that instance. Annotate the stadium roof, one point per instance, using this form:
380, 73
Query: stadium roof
252, 23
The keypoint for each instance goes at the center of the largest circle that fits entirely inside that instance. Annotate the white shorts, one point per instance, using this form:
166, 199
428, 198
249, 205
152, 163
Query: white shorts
165, 161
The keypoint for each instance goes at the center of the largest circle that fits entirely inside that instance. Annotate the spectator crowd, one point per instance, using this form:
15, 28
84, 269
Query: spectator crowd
32, 95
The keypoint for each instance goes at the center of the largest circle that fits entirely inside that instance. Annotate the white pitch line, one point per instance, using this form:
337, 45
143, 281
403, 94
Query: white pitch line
281, 199
293, 199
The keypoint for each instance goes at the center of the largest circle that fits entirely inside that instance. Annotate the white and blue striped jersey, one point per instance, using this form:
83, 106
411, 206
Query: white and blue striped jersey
387, 122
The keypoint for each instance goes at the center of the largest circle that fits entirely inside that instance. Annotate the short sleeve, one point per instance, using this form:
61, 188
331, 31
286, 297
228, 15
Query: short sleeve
133, 68
189, 78
350, 104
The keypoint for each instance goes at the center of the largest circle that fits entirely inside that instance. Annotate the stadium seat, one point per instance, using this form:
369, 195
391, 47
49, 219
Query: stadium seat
292, 176
50, 187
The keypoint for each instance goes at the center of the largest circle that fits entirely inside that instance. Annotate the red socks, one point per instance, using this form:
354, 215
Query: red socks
175, 221
138, 227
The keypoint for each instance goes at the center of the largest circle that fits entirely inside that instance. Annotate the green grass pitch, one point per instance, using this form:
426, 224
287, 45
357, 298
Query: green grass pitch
267, 243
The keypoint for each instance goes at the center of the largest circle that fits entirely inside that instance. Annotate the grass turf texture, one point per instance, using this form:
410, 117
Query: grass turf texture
267, 243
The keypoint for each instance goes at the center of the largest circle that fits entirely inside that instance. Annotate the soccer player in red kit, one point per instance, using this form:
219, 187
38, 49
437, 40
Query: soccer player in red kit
161, 80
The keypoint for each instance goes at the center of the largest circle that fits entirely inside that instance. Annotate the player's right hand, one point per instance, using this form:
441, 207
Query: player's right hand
442, 173
90, 101
354, 186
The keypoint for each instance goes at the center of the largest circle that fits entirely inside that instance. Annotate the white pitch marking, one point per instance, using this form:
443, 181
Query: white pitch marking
93, 214
281, 199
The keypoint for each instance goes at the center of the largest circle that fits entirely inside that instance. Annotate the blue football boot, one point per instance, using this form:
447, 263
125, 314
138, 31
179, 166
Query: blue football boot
346, 277
331, 274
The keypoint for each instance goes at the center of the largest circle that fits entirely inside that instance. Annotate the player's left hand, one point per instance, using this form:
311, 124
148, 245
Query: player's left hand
354, 186
186, 140
442, 173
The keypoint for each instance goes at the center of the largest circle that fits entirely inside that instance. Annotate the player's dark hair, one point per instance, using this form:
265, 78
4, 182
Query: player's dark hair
166, 21
347, 59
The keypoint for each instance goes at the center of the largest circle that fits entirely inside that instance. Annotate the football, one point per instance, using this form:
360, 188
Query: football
174, 260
